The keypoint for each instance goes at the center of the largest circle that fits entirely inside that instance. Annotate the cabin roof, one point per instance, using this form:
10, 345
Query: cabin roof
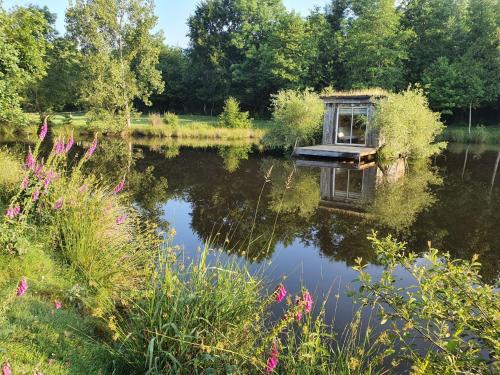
361, 95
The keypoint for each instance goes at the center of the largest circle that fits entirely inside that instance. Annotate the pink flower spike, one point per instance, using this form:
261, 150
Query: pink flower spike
69, 144
43, 131
12, 212
25, 183
120, 186
280, 293
35, 195
59, 203
307, 301
6, 370
272, 361
83, 188
57, 304
22, 287
121, 219
298, 315
30, 160
59, 148
92, 148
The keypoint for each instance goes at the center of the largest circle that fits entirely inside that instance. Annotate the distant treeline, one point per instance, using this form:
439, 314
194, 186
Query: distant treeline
110, 59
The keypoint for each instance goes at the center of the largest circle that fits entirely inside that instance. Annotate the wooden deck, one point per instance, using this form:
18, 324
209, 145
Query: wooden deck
355, 153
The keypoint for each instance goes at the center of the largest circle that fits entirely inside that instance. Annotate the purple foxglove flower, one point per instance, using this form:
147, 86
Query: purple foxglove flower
12, 212
35, 195
59, 203
280, 293
272, 361
83, 188
307, 301
92, 148
57, 304
69, 144
120, 186
25, 183
6, 370
22, 287
43, 131
30, 160
121, 219
38, 169
48, 179
59, 148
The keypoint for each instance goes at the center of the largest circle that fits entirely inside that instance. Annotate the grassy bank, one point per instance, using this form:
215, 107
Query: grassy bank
188, 127
89, 286
478, 134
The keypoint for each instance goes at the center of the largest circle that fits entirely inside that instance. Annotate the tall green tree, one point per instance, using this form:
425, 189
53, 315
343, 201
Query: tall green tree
23, 44
120, 53
375, 46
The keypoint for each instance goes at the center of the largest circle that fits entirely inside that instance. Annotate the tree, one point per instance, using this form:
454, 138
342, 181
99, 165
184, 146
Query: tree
23, 45
120, 53
374, 46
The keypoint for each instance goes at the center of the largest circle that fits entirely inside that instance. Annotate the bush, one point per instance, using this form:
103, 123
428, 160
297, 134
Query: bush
407, 127
154, 120
447, 305
100, 120
170, 119
232, 117
298, 116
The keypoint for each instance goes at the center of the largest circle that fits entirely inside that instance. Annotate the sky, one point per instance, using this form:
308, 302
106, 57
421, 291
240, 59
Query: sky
172, 14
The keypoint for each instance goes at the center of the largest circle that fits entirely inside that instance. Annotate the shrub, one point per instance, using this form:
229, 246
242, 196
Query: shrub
298, 116
154, 120
170, 119
447, 305
100, 120
407, 127
232, 117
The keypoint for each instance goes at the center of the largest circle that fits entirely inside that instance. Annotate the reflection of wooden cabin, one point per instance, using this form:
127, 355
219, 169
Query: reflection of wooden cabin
351, 188
347, 130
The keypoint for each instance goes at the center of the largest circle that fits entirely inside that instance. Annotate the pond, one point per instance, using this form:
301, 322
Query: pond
304, 223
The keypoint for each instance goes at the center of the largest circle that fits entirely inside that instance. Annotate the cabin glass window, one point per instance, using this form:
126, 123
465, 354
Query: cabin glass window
352, 125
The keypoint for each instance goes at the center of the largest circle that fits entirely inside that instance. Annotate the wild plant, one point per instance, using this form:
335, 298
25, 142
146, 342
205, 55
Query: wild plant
448, 306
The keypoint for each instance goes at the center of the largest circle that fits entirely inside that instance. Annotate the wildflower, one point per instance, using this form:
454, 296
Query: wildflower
22, 287
307, 301
38, 169
280, 293
30, 160
92, 148
6, 370
83, 188
59, 203
25, 183
120, 186
272, 361
298, 315
57, 304
70, 143
35, 195
59, 148
12, 212
121, 219
43, 131
48, 179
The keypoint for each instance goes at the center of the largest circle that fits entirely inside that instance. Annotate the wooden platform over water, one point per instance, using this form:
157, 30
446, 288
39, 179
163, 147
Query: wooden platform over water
356, 153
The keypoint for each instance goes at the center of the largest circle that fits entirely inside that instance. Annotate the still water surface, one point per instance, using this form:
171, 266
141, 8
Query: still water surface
305, 223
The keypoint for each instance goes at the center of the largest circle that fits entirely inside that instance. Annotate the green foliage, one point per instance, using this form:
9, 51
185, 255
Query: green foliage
154, 120
11, 175
407, 127
298, 116
119, 53
193, 318
233, 117
448, 305
478, 134
170, 119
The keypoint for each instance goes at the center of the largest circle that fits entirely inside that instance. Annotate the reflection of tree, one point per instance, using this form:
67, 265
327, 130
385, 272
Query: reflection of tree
233, 155
397, 203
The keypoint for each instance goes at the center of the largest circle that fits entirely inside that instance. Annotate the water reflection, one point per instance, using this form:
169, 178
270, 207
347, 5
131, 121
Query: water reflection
324, 210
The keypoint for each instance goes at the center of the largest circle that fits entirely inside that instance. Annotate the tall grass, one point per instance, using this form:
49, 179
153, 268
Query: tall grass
478, 134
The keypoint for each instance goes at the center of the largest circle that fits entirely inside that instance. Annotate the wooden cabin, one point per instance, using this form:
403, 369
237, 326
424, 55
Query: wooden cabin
347, 127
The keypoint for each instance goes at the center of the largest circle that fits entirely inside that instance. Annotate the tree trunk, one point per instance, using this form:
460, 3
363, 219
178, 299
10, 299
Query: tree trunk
127, 114
470, 116
494, 172
465, 161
